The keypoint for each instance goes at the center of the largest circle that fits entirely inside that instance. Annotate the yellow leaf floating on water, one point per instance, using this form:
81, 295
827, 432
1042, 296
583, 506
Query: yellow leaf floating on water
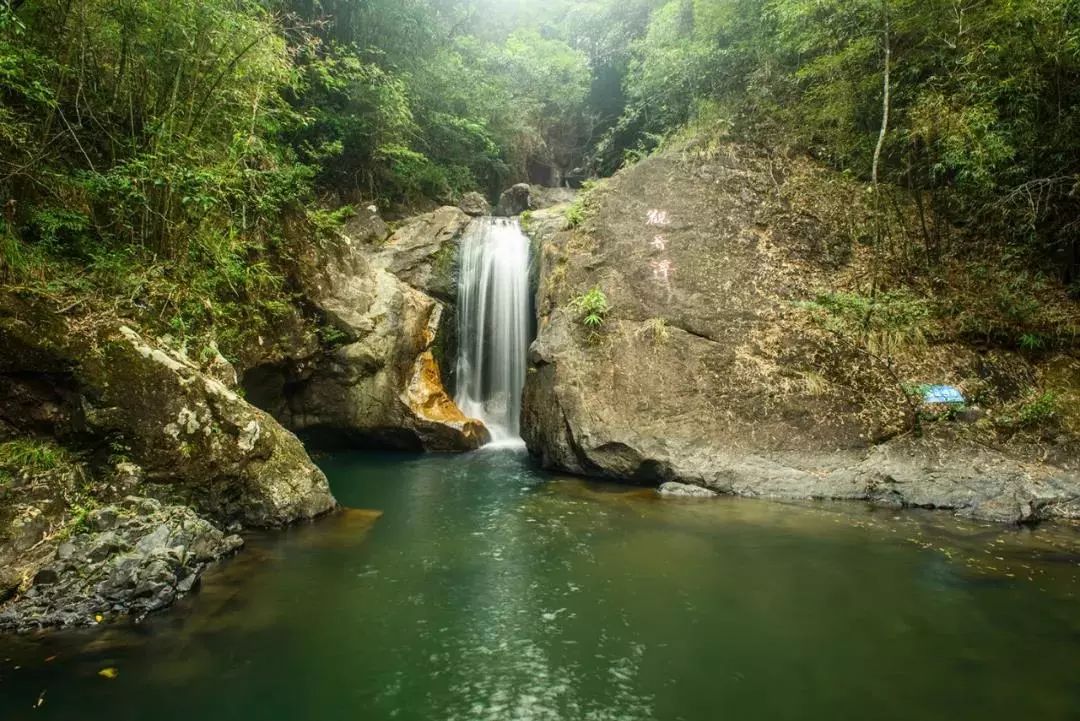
99, 618
108, 673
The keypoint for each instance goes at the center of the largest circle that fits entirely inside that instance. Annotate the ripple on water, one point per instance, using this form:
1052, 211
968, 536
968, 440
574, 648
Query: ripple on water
489, 590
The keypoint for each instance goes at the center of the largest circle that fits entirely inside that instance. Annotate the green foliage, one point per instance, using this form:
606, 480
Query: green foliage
583, 203
1041, 409
1036, 410
592, 308
883, 324
30, 457
985, 101
331, 336
158, 153
1007, 305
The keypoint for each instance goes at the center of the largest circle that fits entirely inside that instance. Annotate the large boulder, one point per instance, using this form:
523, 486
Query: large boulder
191, 433
707, 371
542, 197
475, 204
379, 382
122, 462
423, 252
515, 200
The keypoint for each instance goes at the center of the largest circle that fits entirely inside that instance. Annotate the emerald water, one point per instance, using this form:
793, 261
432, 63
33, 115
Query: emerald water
488, 590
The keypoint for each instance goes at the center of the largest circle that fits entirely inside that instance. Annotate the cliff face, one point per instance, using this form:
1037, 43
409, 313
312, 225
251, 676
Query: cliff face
709, 370
388, 299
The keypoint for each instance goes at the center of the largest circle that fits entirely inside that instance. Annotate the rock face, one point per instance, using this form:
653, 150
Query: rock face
706, 372
542, 197
423, 252
388, 302
93, 534
184, 427
522, 197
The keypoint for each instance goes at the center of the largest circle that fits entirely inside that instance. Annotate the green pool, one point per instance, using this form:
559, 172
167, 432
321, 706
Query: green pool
489, 590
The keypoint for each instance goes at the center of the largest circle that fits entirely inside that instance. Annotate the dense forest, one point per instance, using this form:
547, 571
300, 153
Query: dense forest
514, 297
158, 149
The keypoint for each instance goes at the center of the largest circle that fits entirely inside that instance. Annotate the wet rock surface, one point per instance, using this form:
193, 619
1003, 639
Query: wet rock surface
134, 557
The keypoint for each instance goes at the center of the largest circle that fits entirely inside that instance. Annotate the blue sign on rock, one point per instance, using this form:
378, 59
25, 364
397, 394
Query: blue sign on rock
943, 394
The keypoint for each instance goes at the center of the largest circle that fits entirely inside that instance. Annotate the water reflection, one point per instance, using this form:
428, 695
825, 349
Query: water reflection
486, 590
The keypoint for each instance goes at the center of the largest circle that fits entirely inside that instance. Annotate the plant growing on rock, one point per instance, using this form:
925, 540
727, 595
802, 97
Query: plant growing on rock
1038, 409
30, 456
655, 329
592, 308
579, 209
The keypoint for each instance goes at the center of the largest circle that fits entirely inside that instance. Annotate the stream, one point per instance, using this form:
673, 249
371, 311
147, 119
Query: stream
487, 589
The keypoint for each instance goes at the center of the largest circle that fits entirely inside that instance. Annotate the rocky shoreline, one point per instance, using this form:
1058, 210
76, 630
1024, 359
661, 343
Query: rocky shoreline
132, 465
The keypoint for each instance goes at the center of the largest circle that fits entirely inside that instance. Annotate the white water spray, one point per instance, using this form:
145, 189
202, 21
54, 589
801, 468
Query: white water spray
493, 324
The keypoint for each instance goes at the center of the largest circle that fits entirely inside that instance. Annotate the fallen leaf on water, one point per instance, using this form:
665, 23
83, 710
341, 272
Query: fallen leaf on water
50, 659
108, 673
99, 618
40, 700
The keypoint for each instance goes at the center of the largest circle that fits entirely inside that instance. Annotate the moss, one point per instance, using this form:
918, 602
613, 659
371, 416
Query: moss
445, 266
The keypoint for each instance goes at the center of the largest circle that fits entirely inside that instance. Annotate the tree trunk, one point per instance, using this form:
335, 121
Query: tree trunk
885, 99
878, 219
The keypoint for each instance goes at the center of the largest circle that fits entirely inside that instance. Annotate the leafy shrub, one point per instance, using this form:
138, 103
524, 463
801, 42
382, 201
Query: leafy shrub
1034, 410
579, 209
592, 308
1037, 410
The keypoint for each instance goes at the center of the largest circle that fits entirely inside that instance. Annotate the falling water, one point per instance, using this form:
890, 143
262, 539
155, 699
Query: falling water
493, 324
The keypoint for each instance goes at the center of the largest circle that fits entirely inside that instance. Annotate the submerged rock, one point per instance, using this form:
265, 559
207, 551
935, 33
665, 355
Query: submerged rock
672, 489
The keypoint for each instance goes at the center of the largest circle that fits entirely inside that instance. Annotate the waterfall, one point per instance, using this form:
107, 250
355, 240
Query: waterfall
493, 324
